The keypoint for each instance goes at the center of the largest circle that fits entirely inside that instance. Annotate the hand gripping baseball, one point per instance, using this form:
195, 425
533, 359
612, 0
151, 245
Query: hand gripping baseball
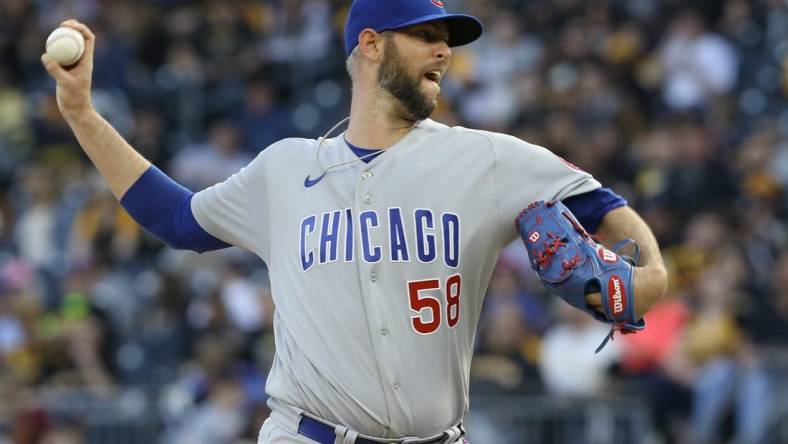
73, 83
571, 264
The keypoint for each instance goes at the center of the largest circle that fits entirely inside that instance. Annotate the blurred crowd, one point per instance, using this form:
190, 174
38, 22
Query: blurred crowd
679, 106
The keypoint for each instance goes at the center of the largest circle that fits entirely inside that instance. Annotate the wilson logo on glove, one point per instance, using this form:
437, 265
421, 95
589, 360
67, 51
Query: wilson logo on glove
616, 295
607, 255
534, 236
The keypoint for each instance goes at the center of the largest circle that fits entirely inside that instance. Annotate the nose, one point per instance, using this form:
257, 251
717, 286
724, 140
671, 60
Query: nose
443, 52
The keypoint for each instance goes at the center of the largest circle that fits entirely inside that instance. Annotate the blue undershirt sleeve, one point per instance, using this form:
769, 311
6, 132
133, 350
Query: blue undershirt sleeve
590, 208
163, 208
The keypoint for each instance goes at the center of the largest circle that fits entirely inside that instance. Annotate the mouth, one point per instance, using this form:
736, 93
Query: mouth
434, 75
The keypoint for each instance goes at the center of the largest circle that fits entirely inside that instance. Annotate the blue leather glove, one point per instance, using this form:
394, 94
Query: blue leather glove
572, 264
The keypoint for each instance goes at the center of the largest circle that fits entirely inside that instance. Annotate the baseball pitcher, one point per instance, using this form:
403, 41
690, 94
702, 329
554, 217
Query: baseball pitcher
381, 240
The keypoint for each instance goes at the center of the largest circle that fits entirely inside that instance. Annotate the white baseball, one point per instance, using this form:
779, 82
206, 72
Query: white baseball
65, 45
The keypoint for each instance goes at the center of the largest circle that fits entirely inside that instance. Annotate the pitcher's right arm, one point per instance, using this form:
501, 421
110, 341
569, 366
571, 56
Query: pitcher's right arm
157, 203
116, 160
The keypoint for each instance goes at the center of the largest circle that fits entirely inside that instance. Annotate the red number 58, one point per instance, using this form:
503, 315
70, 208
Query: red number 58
428, 311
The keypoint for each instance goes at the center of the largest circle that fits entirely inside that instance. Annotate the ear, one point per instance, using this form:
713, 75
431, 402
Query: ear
370, 44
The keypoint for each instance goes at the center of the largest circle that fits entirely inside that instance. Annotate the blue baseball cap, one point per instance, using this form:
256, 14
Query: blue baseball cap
386, 15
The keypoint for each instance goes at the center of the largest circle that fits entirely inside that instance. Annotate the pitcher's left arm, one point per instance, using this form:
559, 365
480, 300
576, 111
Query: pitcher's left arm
651, 277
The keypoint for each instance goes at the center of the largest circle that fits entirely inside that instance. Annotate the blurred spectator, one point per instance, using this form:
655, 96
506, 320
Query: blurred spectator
246, 303
729, 375
15, 132
63, 435
302, 33
764, 315
509, 332
505, 54
679, 107
201, 165
262, 121
103, 232
568, 365
653, 366
150, 135
699, 65
35, 233
219, 419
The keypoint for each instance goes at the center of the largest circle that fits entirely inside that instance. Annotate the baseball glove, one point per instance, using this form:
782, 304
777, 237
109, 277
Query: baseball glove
571, 264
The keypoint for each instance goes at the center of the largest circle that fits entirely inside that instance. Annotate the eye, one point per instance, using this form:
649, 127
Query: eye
429, 36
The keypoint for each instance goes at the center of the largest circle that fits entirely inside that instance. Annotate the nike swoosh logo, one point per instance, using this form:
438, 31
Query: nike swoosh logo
309, 183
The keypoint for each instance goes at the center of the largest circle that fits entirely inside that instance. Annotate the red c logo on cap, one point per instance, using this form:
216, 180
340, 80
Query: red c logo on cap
437, 3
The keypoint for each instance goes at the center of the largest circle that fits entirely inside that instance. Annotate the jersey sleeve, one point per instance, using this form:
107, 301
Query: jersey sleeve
526, 173
169, 217
236, 210
590, 208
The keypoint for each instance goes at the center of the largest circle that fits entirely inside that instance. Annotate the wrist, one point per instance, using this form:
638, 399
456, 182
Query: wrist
651, 282
656, 273
78, 116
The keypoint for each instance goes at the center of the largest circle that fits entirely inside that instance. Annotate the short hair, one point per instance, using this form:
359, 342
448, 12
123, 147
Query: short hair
351, 63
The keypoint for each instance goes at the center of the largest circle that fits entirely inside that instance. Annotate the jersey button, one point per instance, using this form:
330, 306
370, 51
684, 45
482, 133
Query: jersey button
368, 199
395, 385
373, 276
366, 175
384, 331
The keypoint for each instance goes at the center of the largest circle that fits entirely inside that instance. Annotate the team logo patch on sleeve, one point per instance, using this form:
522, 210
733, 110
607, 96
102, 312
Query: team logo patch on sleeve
570, 164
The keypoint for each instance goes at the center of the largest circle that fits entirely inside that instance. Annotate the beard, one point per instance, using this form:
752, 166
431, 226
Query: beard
393, 77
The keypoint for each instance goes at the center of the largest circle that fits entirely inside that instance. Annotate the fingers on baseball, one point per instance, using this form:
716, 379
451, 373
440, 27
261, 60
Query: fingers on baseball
90, 38
53, 68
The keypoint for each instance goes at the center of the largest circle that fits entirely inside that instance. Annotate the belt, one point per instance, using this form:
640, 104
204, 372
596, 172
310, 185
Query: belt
325, 434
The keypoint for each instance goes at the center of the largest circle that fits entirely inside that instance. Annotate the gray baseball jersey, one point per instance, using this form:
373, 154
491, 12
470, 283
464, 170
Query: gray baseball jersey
378, 270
